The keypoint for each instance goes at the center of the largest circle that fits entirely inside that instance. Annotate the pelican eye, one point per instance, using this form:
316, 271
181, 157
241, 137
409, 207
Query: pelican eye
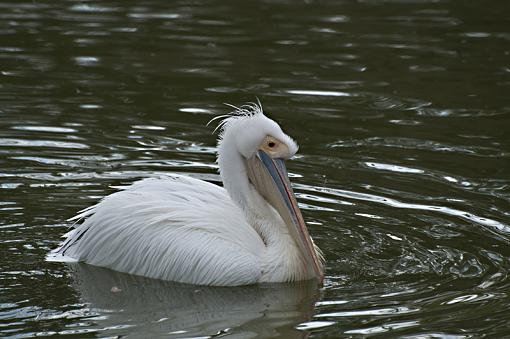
274, 147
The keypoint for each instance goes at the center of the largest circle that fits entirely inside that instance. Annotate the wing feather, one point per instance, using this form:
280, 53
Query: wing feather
173, 228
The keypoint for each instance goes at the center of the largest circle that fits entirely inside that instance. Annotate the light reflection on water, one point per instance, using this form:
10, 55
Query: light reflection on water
400, 109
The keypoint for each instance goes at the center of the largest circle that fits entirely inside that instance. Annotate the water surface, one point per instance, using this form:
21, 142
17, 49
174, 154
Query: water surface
401, 110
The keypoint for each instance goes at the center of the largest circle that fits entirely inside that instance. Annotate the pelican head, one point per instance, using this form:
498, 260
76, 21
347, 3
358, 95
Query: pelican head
252, 152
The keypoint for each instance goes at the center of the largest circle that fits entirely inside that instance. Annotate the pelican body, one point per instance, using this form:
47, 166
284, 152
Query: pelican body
183, 229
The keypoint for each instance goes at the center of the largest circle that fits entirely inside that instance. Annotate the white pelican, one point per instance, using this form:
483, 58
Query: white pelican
187, 230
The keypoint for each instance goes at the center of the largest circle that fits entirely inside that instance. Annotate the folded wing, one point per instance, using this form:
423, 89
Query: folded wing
172, 228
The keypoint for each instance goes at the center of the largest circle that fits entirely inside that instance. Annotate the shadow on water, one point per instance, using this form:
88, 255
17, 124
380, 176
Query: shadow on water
136, 306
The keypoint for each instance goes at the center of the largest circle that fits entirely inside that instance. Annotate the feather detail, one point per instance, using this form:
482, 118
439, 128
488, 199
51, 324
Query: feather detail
245, 111
170, 228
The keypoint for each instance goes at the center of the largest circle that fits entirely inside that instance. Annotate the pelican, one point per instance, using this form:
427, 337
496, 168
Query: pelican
187, 230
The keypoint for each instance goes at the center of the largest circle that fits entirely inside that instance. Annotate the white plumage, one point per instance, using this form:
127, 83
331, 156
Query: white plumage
182, 229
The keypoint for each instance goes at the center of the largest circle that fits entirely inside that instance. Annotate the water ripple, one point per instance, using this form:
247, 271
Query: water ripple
319, 93
383, 328
483, 221
372, 312
411, 143
41, 143
50, 129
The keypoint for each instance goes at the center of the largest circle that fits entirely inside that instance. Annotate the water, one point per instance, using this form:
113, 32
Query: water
401, 110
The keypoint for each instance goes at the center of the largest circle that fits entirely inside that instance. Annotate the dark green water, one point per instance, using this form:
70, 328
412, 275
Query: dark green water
402, 113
